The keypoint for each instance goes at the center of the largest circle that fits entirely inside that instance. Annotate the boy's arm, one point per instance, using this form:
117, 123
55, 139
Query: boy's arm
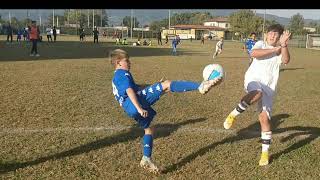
284, 40
133, 97
261, 53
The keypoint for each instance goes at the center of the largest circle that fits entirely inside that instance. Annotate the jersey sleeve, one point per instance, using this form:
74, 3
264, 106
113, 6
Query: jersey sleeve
125, 82
258, 45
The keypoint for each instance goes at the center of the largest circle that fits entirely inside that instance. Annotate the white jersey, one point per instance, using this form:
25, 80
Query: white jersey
266, 70
48, 30
219, 45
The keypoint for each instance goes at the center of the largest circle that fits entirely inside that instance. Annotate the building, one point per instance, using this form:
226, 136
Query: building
222, 22
214, 28
310, 29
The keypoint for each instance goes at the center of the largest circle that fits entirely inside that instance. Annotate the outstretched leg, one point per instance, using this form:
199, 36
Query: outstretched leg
245, 102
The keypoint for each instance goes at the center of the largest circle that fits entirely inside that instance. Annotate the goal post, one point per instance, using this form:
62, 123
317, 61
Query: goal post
313, 41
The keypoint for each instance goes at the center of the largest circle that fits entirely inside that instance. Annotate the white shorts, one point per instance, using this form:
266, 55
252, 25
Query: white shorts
265, 103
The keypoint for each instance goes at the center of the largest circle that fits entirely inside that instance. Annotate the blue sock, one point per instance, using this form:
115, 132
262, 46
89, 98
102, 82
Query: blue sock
147, 145
182, 86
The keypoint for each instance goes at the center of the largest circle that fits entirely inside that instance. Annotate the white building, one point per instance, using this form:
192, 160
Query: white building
221, 22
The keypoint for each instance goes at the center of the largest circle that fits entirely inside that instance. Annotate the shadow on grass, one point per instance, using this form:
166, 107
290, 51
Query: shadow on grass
131, 134
289, 69
312, 133
77, 50
243, 134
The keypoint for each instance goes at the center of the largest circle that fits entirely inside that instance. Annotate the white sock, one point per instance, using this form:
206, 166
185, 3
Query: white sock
241, 107
266, 140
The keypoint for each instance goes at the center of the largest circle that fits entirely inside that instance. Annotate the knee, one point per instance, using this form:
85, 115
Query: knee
149, 130
166, 85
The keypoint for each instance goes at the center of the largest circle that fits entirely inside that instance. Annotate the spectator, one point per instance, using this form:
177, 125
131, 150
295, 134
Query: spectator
9, 33
34, 37
48, 31
95, 34
54, 32
159, 38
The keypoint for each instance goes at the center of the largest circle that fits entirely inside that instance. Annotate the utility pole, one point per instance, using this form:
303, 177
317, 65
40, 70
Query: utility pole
101, 17
52, 17
93, 19
264, 21
131, 24
169, 19
10, 17
88, 18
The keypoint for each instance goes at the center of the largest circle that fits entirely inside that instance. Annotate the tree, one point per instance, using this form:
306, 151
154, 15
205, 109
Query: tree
127, 21
157, 25
80, 17
296, 24
190, 18
244, 22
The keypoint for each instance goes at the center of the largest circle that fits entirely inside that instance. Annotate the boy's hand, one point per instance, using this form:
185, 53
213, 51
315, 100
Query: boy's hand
284, 38
143, 112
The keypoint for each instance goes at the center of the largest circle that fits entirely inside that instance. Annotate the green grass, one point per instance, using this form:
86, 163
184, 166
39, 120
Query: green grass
47, 102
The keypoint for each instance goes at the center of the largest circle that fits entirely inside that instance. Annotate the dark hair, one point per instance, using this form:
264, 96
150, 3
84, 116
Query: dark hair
253, 33
276, 28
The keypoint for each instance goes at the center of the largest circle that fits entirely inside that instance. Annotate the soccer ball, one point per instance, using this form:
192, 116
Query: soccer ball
212, 71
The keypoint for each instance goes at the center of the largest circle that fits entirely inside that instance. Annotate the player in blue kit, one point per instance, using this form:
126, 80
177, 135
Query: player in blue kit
137, 102
249, 45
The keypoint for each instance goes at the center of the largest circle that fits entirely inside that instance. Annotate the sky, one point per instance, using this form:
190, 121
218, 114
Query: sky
306, 13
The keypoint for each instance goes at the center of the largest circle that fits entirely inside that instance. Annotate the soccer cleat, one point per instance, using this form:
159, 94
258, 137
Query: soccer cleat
264, 160
206, 85
228, 122
147, 164
31, 54
37, 55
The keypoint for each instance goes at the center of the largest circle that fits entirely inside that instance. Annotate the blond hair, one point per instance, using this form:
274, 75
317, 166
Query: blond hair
116, 55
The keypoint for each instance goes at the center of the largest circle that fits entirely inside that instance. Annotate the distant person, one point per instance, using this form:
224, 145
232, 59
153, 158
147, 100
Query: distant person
104, 34
81, 34
145, 43
159, 38
117, 41
124, 41
167, 39
174, 46
25, 33
219, 46
34, 38
95, 35
202, 40
48, 31
178, 39
54, 33
9, 33
249, 45
19, 34
191, 39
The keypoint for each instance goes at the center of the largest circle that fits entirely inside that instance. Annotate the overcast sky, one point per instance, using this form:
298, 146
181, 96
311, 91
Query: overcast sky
306, 13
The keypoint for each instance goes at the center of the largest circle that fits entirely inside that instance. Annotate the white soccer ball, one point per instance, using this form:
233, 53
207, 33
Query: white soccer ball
213, 71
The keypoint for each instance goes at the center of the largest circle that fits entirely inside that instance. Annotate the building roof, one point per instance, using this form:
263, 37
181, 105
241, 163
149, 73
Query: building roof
218, 19
199, 27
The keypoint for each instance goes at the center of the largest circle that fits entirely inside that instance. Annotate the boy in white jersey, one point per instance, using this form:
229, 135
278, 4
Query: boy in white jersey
218, 48
261, 80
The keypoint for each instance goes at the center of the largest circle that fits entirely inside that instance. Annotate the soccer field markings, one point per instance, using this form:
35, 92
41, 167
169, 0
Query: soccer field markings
4, 131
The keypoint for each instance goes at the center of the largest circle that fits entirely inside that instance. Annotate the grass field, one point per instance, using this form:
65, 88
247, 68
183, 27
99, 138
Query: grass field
59, 119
